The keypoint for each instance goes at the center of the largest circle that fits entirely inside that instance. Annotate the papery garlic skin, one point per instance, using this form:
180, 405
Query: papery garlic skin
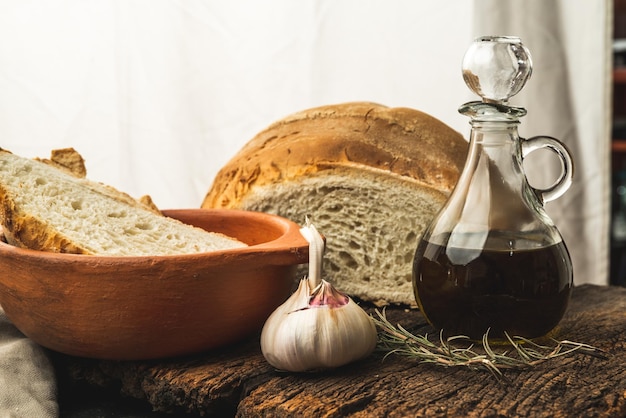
298, 339
317, 328
297, 301
316, 251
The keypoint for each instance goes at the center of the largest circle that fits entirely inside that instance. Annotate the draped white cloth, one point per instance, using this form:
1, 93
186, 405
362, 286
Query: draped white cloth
157, 95
567, 97
27, 382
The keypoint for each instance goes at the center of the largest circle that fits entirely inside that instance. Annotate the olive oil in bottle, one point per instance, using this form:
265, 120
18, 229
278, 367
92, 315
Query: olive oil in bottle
523, 292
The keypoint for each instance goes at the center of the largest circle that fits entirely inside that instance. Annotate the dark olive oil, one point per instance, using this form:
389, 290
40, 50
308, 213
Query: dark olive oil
522, 291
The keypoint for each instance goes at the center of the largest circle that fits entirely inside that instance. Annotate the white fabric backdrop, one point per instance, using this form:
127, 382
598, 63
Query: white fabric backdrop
567, 97
158, 95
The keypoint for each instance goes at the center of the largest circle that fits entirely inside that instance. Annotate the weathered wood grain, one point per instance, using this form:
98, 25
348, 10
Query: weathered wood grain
237, 381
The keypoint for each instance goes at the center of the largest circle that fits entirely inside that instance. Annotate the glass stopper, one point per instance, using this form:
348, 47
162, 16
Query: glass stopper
496, 67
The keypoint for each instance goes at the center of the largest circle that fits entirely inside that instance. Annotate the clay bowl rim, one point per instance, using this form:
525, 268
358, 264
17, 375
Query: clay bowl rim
290, 241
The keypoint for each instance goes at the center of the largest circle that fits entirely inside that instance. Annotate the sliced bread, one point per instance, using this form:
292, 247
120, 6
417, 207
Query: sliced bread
47, 205
370, 177
69, 159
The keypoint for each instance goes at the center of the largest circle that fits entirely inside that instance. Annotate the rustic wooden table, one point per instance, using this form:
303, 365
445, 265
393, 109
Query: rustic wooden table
236, 381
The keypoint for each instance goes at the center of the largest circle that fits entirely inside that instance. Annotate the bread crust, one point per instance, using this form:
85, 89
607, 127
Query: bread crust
399, 140
25, 231
67, 159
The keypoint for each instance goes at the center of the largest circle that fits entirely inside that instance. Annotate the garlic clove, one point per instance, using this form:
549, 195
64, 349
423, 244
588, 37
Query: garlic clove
297, 301
330, 331
346, 334
292, 348
318, 327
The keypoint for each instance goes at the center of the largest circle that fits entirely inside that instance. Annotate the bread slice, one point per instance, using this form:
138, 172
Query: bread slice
70, 160
48, 208
370, 177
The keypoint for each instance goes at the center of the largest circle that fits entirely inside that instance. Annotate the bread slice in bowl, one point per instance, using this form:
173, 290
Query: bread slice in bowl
44, 205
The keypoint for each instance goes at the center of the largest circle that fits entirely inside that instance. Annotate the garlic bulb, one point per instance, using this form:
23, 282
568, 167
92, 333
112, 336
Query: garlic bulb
317, 327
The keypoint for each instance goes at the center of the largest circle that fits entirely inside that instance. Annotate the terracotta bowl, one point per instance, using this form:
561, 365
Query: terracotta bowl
130, 308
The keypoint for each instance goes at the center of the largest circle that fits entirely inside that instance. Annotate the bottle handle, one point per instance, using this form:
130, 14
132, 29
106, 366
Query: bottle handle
567, 166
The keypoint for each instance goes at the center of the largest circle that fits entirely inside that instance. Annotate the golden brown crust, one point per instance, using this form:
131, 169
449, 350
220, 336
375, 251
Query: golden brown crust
67, 159
402, 141
147, 202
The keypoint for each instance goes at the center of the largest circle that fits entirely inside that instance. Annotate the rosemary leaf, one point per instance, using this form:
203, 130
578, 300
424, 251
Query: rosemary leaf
458, 351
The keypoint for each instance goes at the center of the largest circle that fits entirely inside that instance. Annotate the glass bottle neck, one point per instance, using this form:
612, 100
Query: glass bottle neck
495, 154
494, 133
492, 197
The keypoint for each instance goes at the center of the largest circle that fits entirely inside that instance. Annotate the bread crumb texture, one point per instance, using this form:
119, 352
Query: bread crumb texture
371, 224
49, 209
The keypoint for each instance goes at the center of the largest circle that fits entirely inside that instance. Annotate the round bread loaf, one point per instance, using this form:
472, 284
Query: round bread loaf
370, 177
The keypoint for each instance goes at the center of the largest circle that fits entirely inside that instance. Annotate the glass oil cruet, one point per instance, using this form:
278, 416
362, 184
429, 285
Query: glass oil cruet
492, 260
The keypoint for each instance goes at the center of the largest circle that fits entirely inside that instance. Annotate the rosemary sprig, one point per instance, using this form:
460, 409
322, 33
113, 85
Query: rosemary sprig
458, 351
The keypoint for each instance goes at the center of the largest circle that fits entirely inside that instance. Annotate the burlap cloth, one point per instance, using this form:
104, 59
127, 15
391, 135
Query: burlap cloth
27, 381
